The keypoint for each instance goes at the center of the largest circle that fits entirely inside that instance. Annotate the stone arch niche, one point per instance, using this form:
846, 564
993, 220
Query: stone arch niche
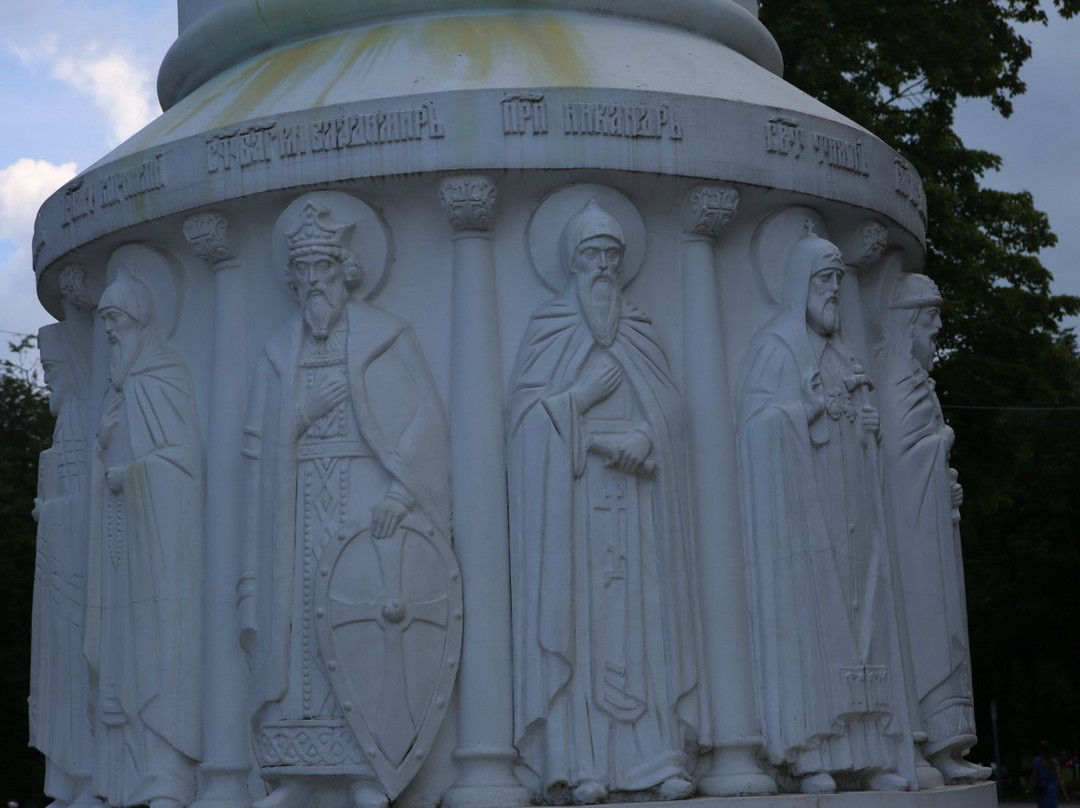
461, 304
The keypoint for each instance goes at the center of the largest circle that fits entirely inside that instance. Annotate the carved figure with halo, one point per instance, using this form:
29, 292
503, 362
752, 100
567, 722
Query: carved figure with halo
349, 594
606, 689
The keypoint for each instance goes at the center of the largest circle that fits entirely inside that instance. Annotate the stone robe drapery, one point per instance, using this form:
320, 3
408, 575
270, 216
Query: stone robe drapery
825, 638
557, 588
59, 674
144, 623
917, 443
400, 417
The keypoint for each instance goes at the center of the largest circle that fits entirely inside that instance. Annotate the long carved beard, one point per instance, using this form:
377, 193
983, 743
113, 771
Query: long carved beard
122, 355
320, 314
601, 303
828, 320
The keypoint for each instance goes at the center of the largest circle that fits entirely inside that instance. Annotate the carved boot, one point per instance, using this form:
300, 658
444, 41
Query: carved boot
817, 783
589, 792
675, 788
368, 794
957, 770
887, 781
292, 793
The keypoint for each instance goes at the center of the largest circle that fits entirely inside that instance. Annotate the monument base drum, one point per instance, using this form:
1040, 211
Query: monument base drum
490, 403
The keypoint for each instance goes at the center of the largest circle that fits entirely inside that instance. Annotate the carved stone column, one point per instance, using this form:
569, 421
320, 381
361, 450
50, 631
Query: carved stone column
485, 753
223, 774
863, 251
717, 521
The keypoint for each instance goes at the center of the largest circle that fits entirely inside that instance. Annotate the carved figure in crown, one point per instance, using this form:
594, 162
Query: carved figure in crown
59, 675
144, 627
925, 499
826, 641
350, 600
607, 696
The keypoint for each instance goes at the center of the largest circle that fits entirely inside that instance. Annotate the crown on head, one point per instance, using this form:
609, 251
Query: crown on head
317, 230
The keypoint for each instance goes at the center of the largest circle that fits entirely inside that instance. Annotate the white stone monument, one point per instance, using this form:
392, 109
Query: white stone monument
480, 402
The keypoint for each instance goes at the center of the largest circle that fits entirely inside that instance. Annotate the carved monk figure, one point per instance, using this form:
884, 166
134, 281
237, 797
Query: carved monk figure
144, 636
606, 692
825, 639
345, 431
924, 500
59, 675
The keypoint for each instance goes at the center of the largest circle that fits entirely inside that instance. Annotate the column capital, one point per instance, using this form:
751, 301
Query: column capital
709, 209
469, 202
207, 233
73, 289
865, 246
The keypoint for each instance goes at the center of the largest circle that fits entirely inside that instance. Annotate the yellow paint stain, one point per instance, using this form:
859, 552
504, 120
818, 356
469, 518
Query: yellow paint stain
474, 49
550, 47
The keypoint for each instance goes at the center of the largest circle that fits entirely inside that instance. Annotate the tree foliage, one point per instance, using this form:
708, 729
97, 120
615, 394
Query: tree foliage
899, 69
25, 431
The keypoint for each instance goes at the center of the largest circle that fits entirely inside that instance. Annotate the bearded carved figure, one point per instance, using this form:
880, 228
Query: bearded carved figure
924, 499
347, 595
605, 639
59, 676
144, 624
826, 643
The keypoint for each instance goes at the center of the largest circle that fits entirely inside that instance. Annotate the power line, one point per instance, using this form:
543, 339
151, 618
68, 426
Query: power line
1008, 409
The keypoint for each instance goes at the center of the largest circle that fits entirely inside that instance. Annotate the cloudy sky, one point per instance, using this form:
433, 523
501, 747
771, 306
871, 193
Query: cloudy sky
77, 78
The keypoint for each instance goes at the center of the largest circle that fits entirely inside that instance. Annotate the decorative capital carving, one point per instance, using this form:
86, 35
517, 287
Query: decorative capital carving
469, 202
73, 287
711, 208
206, 232
870, 244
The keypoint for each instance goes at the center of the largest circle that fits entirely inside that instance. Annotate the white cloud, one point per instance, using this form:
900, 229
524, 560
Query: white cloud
24, 185
121, 89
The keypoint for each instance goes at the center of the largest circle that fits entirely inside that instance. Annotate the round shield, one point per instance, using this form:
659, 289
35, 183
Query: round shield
389, 623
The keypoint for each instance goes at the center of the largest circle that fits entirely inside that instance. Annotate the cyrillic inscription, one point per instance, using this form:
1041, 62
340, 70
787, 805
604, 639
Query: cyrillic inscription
621, 120
143, 178
910, 187
83, 198
783, 136
240, 148
524, 113
842, 154
266, 142
79, 201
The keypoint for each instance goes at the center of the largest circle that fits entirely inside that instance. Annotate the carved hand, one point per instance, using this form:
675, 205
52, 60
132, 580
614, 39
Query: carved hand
386, 516
320, 400
114, 476
871, 421
631, 453
955, 489
36, 513
597, 385
813, 395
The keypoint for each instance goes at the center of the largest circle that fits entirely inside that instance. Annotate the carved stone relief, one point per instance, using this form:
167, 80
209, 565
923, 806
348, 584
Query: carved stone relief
924, 499
607, 697
828, 662
144, 626
350, 598
59, 676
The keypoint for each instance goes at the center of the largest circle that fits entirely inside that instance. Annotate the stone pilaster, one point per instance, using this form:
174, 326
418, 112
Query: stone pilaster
716, 516
485, 754
223, 774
